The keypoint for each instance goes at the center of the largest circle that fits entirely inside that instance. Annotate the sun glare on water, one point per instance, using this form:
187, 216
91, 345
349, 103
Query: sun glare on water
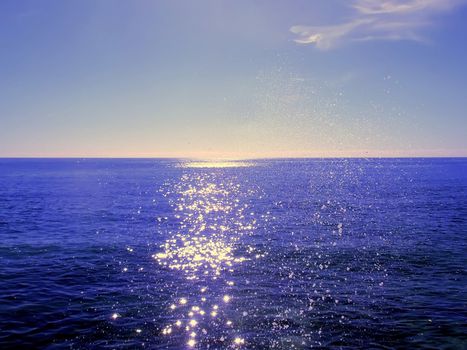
216, 164
213, 215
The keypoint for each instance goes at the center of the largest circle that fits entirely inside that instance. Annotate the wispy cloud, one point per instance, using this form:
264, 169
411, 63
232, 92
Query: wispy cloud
377, 20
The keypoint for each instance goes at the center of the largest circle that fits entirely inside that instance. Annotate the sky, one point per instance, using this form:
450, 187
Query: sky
233, 79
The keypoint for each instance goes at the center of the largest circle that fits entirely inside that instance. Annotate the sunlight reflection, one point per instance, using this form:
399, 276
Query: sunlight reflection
216, 164
205, 248
212, 220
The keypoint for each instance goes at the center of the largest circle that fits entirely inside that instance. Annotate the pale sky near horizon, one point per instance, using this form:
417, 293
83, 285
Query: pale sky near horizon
233, 79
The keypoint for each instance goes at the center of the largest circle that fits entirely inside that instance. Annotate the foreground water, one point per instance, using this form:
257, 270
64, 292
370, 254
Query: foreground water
269, 254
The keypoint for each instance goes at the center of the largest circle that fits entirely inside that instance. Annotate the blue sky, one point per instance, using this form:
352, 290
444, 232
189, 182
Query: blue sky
233, 78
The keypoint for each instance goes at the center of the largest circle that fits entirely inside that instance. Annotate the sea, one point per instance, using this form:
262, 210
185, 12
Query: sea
253, 254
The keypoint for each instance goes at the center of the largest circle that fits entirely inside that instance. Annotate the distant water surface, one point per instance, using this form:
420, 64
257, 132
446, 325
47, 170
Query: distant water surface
266, 254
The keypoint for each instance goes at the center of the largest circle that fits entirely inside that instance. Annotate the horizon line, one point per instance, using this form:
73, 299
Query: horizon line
240, 158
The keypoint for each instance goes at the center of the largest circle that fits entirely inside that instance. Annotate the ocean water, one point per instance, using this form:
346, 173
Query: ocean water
266, 254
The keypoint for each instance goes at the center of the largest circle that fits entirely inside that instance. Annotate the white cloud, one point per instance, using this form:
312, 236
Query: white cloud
377, 20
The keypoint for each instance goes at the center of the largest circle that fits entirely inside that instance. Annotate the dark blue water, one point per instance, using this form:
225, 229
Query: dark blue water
270, 254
